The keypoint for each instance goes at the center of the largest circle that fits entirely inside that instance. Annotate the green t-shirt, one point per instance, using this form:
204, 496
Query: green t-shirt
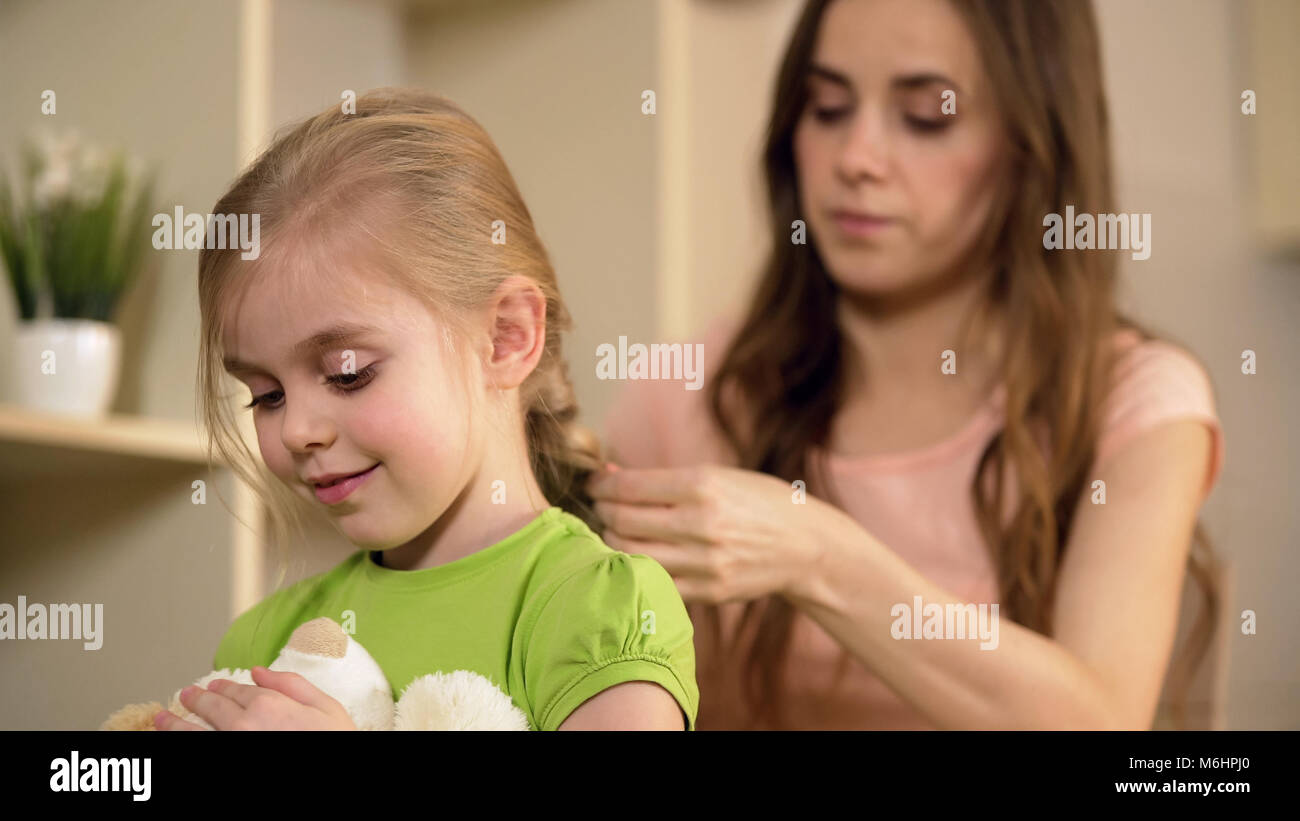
550, 614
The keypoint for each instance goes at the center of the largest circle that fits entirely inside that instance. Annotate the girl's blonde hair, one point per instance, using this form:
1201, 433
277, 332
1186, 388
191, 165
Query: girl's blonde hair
438, 183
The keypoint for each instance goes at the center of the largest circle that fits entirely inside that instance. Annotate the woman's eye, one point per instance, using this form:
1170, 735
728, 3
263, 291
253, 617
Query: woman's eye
925, 126
829, 115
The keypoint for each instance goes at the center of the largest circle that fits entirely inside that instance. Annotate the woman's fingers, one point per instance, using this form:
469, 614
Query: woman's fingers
692, 572
649, 522
681, 561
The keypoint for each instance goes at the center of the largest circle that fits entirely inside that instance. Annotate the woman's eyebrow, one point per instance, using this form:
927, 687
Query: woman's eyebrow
906, 82
830, 75
313, 345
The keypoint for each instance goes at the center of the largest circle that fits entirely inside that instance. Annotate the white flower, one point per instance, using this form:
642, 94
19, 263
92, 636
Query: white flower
69, 168
56, 159
91, 176
52, 184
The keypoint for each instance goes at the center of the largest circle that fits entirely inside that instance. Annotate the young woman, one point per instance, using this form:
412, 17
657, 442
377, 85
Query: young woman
972, 420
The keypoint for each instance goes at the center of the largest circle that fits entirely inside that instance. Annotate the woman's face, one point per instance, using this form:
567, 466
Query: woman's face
400, 412
894, 190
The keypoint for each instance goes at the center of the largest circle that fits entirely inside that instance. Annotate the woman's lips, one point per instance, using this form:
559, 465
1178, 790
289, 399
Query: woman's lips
854, 224
343, 488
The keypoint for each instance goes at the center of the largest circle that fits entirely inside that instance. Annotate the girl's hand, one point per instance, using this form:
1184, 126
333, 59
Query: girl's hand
280, 701
724, 534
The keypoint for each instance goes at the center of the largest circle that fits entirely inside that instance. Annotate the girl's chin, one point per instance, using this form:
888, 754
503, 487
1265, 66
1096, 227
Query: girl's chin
365, 539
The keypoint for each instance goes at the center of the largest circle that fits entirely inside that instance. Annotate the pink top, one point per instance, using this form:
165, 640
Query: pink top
906, 500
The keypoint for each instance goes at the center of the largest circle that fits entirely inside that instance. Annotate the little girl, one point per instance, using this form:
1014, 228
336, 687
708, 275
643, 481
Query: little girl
399, 335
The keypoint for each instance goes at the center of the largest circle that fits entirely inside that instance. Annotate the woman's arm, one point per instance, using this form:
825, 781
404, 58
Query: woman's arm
732, 535
1115, 613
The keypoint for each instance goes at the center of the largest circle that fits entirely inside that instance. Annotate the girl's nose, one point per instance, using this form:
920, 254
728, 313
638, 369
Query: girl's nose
303, 429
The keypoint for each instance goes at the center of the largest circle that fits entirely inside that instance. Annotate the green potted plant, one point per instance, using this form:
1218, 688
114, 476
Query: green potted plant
72, 239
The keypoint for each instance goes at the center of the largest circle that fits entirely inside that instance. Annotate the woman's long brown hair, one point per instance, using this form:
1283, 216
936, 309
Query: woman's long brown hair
786, 358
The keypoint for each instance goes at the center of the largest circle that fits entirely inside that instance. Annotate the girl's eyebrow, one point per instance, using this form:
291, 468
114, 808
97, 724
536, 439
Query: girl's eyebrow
313, 345
907, 82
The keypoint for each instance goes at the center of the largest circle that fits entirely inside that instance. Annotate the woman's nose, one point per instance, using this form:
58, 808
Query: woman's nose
865, 151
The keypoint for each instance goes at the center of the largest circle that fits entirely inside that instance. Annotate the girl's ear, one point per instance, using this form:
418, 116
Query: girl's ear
517, 328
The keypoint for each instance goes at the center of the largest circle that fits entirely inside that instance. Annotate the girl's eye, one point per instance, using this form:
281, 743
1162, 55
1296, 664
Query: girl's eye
260, 400
345, 383
362, 376
924, 126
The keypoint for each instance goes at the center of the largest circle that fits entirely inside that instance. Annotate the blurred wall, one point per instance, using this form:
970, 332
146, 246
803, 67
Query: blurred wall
558, 86
733, 51
1180, 143
321, 47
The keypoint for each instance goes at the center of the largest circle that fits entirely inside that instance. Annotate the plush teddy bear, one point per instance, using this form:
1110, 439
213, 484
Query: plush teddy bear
339, 666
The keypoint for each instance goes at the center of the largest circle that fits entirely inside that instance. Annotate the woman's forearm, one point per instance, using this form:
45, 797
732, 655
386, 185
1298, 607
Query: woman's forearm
1025, 681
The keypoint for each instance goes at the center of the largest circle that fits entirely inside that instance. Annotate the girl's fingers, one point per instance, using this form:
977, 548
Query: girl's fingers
294, 686
215, 708
644, 485
167, 720
241, 694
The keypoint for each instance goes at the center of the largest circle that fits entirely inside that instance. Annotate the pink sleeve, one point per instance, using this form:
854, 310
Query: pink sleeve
632, 434
656, 424
1157, 382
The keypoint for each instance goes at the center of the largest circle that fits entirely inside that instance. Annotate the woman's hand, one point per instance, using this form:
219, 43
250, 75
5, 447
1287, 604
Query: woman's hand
280, 701
724, 534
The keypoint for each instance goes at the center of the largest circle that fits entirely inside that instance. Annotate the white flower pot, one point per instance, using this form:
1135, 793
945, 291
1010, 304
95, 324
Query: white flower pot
67, 366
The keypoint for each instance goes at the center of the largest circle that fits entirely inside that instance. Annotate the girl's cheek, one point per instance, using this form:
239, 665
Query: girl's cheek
277, 459
394, 428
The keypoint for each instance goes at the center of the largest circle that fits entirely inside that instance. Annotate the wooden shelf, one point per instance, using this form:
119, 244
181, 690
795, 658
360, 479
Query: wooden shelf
39, 445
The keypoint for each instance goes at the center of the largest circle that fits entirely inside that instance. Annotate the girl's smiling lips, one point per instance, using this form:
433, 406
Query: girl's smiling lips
343, 484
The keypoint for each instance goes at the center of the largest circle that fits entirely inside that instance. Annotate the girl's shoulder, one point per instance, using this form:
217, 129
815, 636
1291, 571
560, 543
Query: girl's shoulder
581, 576
596, 617
1153, 382
576, 556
